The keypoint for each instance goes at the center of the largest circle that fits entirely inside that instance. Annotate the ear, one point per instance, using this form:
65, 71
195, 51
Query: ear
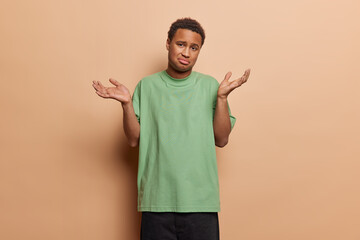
167, 44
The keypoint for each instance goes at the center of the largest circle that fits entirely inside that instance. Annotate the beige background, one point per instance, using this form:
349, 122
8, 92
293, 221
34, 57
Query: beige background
290, 170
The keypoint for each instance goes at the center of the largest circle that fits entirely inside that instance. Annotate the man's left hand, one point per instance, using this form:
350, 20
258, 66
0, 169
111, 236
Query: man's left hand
226, 86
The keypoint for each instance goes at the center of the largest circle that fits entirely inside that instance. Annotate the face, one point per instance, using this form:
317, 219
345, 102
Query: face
183, 50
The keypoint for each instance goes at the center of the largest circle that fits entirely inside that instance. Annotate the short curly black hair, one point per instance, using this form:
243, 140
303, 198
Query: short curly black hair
187, 23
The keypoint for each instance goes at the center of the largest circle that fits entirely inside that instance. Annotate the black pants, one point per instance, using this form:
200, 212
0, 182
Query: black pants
179, 226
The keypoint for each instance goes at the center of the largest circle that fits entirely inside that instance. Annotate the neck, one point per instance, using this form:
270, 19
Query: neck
177, 74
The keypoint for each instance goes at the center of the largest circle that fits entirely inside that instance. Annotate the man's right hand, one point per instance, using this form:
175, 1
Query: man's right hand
119, 92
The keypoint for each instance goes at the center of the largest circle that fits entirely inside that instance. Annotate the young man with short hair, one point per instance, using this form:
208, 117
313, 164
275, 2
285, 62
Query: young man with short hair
177, 117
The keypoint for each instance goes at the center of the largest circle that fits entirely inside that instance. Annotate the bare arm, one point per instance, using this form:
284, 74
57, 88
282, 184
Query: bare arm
131, 124
222, 124
122, 94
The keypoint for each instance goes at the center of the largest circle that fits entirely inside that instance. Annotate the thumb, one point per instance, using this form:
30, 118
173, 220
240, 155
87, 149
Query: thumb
113, 81
227, 76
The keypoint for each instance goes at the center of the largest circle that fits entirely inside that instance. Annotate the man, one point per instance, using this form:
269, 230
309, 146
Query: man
177, 117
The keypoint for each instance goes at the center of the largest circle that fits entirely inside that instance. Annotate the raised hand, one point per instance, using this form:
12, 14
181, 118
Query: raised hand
226, 86
119, 92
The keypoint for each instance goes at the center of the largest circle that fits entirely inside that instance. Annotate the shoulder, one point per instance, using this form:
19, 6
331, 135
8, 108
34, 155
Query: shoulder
148, 79
208, 78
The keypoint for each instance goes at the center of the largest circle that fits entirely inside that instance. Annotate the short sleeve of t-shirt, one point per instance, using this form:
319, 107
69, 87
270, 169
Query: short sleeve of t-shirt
232, 118
136, 100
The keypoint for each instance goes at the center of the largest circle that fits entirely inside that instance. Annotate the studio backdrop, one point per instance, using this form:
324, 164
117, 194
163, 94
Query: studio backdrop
290, 169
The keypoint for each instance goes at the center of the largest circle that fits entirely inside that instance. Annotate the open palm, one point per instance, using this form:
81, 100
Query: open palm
119, 92
227, 86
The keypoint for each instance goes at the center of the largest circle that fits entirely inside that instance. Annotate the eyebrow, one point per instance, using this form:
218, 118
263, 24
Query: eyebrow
185, 42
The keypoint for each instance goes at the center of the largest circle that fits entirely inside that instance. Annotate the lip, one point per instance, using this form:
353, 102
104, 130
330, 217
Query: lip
183, 61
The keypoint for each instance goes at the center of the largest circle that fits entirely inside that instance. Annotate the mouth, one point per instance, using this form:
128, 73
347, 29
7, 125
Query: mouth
183, 61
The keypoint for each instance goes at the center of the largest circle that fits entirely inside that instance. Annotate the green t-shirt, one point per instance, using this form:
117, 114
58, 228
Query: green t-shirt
177, 159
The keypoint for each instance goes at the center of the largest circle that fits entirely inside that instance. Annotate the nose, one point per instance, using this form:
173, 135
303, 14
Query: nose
186, 52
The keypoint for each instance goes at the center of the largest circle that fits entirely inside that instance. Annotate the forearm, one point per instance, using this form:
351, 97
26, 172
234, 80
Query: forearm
131, 124
221, 124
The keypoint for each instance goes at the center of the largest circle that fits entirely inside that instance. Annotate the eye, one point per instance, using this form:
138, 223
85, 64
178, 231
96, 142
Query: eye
194, 48
180, 44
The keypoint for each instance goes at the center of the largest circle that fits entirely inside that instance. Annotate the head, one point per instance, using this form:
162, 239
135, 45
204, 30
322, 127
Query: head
186, 23
185, 39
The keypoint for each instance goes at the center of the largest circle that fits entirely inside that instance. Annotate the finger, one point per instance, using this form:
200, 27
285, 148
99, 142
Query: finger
234, 84
238, 82
100, 85
227, 76
245, 77
248, 72
113, 81
104, 95
95, 86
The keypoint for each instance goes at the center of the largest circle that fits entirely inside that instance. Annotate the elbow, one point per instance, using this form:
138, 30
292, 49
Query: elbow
134, 143
222, 143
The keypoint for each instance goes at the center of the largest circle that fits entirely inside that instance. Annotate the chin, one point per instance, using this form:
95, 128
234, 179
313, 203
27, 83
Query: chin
181, 69
184, 70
